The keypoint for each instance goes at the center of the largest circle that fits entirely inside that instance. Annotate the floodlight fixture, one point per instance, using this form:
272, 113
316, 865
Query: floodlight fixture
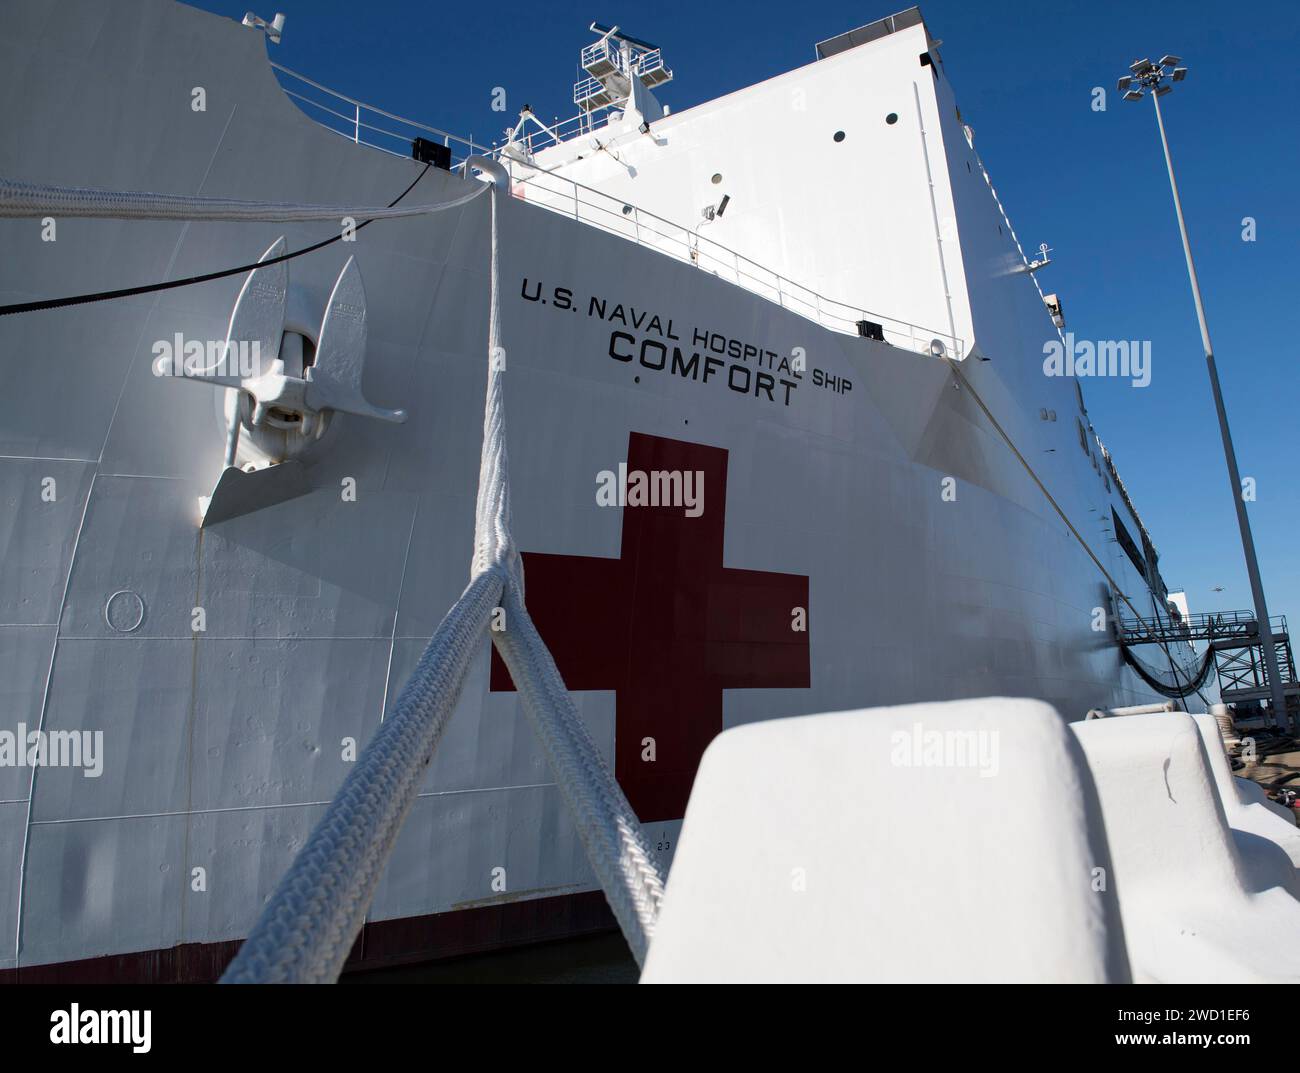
274, 29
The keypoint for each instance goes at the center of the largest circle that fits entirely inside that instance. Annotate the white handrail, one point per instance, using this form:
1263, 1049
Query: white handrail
587, 205
353, 123
610, 214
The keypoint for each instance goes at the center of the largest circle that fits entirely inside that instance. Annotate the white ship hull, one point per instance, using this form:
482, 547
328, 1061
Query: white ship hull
221, 747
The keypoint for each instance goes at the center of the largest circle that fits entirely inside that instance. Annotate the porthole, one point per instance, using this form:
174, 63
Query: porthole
717, 178
892, 118
839, 135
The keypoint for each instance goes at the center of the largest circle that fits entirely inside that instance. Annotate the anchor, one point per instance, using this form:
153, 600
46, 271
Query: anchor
284, 404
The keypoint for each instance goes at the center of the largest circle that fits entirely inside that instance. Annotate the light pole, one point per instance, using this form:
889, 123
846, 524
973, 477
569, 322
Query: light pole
1156, 79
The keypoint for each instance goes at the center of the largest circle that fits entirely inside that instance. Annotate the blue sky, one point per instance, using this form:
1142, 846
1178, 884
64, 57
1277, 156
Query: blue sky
1090, 184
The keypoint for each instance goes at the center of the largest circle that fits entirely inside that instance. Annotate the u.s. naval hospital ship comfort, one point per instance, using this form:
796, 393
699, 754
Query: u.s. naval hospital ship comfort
761, 409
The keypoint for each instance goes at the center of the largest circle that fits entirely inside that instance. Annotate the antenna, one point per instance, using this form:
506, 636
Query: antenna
612, 63
1042, 261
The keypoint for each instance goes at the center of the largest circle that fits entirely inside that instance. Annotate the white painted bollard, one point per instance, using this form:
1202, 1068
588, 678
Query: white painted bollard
959, 841
1193, 909
1266, 837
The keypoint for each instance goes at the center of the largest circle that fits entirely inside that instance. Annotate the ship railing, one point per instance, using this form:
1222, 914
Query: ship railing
608, 213
601, 50
365, 124
584, 122
1203, 626
650, 62
588, 88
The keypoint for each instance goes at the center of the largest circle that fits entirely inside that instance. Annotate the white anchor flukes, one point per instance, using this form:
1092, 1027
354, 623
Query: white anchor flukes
332, 382
279, 398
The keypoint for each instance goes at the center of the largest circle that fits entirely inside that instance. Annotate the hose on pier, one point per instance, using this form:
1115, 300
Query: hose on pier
311, 921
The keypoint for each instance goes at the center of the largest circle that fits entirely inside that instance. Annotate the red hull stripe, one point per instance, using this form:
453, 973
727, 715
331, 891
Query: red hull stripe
382, 944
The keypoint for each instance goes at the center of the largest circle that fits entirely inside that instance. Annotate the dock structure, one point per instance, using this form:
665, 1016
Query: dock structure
1234, 637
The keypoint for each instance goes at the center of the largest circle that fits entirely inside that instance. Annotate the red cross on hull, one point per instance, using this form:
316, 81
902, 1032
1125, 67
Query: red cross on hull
667, 627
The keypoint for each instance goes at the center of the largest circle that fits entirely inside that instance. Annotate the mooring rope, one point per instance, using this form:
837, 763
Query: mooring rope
206, 277
44, 199
312, 919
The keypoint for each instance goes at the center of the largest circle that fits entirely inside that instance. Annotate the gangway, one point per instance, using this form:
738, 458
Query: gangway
1238, 652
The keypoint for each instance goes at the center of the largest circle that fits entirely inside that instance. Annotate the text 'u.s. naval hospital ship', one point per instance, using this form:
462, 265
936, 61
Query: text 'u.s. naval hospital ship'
780, 431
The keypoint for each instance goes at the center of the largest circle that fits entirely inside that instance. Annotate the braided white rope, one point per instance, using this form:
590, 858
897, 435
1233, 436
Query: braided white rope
493, 544
611, 834
312, 919
42, 199
607, 826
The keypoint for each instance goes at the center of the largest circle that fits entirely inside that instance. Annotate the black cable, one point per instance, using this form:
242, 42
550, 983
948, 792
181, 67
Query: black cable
128, 292
1169, 658
1193, 686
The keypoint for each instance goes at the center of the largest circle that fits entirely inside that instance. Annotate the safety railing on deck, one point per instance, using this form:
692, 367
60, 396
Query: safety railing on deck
1204, 626
534, 141
650, 62
364, 123
598, 209
602, 52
